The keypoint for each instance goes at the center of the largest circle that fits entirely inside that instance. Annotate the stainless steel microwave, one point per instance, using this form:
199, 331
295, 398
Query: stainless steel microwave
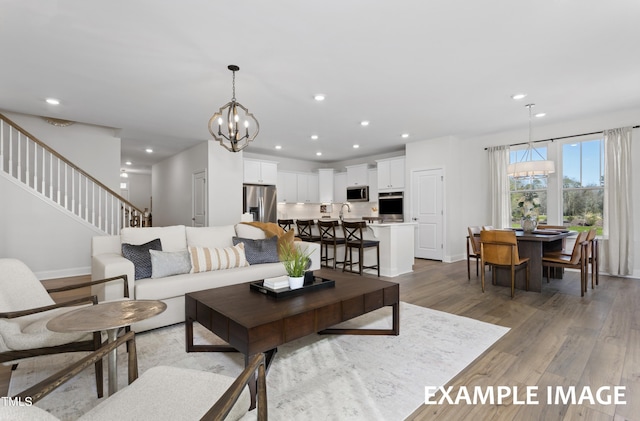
358, 194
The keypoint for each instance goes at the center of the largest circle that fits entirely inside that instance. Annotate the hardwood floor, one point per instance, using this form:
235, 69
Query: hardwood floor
557, 338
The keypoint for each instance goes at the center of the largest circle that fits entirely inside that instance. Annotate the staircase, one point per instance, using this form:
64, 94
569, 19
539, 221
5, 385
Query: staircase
45, 172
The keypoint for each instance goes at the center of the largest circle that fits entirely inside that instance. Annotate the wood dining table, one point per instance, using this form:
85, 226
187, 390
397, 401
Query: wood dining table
533, 245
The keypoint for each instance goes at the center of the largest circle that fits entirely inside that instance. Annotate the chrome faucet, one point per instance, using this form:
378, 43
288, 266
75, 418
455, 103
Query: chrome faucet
342, 210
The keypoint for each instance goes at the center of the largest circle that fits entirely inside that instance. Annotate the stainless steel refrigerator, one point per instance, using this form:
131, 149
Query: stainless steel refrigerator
261, 202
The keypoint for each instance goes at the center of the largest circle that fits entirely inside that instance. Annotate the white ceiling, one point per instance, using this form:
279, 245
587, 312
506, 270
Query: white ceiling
157, 70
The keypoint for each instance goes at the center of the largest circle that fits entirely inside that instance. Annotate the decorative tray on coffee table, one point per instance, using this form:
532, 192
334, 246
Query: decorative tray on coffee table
315, 283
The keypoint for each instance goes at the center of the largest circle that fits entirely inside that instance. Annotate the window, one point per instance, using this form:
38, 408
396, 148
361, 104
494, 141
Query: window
531, 187
583, 184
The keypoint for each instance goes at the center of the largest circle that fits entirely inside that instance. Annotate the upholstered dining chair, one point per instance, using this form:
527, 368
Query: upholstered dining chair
305, 230
161, 392
25, 309
576, 260
473, 249
354, 239
499, 248
328, 238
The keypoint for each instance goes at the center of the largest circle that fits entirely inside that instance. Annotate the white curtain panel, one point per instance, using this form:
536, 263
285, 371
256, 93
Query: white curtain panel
618, 204
499, 185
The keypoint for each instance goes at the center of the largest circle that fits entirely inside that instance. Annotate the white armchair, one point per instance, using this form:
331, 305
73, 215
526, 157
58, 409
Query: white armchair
161, 393
25, 309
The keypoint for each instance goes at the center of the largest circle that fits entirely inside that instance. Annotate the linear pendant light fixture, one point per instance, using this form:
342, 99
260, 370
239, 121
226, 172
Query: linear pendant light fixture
231, 119
529, 167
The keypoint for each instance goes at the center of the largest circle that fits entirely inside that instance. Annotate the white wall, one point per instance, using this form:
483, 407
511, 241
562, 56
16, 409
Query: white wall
225, 185
288, 164
340, 166
465, 164
51, 241
464, 192
172, 185
95, 149
139, 186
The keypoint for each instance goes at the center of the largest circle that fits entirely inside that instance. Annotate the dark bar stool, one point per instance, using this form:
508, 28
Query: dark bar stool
305, 230
328, 238
353, 235
285, 224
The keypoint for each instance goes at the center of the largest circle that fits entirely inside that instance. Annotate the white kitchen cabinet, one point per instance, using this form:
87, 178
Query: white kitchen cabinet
325, 185
313, 188
391, 174
373, 185
357, 175
307, 188
260, 172
340, 187
287, 187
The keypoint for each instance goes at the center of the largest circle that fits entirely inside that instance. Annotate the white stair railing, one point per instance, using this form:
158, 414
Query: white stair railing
47, 173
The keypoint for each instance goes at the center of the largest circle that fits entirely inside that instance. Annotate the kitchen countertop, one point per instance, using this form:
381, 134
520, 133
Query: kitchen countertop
390, 224
375, 224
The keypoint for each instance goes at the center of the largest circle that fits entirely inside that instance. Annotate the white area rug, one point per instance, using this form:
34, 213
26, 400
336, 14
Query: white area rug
318, 377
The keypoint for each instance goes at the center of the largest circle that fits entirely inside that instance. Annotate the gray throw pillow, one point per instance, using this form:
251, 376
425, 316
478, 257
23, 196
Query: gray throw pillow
259, 251
169, 263
139, 255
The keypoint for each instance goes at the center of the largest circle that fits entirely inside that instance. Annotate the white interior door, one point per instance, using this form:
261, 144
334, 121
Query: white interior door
427, 211
199, 198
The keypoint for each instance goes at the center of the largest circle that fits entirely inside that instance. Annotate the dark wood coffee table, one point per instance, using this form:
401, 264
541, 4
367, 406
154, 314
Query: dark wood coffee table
252, 323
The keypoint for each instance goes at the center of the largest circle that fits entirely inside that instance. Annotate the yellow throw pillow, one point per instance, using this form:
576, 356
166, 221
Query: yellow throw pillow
285, 240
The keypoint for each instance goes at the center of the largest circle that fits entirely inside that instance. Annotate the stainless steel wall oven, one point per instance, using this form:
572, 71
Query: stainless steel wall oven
391, 206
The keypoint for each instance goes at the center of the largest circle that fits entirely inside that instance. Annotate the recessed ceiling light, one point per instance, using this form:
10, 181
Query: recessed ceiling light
278, 147
314, 136
540, 115
356, 146
364, 123
518, 96
405, 135
128, 162
148, 150
53, 101
319, 97
318, 153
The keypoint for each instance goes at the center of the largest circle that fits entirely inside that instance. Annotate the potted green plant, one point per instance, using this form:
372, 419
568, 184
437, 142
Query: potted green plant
295, 262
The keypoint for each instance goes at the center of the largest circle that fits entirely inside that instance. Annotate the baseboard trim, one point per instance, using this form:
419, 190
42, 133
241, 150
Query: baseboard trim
63, 273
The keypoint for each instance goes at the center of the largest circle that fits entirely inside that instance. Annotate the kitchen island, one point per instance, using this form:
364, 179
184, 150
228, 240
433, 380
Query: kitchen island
396, 246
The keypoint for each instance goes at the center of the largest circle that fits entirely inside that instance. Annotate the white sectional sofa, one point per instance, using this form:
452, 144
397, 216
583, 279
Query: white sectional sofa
107, 261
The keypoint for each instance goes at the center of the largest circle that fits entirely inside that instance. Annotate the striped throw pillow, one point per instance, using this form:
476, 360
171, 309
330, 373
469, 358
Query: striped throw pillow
205, 259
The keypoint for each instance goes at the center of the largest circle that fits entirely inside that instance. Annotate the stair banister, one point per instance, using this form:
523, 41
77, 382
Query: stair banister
100, 206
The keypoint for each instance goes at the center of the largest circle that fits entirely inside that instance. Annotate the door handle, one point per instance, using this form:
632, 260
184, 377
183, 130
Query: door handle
415, 219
